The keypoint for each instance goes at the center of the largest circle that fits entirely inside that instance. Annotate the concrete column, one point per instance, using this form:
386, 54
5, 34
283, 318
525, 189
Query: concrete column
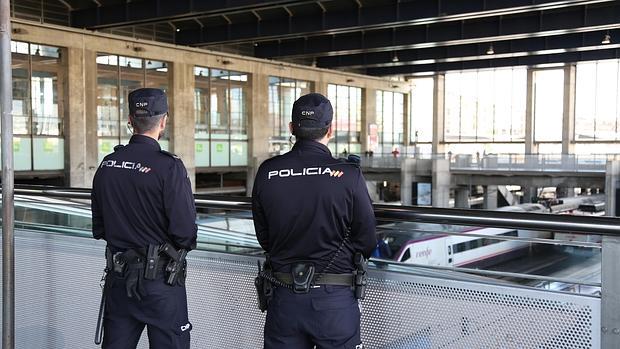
568, 121
407, 174
612, 184
529, 193
182, 122
490, 197
415, 170
258, 128
406, 132
321, 87
461, 197
564, 192
441, 183
530, 146
85, 164
438, 145
369, 115
76, 159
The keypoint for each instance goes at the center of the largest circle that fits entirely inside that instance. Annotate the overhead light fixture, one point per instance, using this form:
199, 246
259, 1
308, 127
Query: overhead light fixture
490, 50
395, 58
606, 39
178, 30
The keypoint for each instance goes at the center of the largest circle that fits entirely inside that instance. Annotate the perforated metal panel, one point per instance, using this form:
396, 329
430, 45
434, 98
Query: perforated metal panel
433, 313
57, 299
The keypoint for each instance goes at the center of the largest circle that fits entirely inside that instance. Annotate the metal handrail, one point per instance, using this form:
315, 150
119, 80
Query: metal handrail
501, 219
480, 218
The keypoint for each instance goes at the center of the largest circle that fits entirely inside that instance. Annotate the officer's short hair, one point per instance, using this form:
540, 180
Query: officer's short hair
142, 125
309, 133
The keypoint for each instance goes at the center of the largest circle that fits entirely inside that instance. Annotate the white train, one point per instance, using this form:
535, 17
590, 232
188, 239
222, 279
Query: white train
458, 246
452, 250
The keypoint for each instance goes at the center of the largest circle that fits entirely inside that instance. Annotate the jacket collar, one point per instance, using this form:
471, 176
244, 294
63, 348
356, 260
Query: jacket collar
141, 139
313, 146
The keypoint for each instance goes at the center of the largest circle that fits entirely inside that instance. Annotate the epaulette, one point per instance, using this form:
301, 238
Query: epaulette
118, 146
354, 159
174, 156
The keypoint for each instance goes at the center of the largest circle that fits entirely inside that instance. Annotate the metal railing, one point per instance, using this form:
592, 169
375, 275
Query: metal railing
425, 278
502, 162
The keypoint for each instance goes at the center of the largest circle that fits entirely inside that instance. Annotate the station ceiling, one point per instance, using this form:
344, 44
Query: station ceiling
375, 37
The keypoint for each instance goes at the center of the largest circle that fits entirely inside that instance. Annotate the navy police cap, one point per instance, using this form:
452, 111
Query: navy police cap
148, 102
312, 111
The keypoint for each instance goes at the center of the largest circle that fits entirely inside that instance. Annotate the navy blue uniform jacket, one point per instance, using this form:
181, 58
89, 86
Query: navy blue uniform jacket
141, 195
304, 201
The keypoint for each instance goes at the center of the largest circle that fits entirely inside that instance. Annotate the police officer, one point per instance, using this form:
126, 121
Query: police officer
142, 206
312, 213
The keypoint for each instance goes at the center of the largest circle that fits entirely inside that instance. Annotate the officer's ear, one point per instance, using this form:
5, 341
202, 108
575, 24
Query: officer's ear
290, 127
330, 132
163, 121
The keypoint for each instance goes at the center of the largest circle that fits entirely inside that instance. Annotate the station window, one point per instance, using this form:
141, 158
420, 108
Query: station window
221, 115
38, 79
421, 111
116, 77
347, 103
390, 120
597, 109
485, 105
548, 105
282, 94
406, 255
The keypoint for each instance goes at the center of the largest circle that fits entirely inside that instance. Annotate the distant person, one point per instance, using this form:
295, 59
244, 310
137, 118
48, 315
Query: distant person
314, 218
143, 207
395, 152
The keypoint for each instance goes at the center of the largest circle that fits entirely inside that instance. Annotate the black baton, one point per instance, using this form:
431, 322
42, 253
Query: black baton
99, 329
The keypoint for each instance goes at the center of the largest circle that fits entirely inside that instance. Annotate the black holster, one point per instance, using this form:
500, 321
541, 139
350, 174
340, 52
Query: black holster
264, 289
360, 275
176, 270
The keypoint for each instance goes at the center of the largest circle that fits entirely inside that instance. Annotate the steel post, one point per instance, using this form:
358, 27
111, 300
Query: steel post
8, 259
610, 293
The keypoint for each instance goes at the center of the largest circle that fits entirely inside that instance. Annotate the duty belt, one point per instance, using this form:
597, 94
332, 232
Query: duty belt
320, 279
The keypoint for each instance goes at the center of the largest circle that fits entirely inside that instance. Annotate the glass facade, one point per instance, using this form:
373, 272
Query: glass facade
390, 121
38, 94
485, 105
282, 94
548, 106
116, 77
347, 104
221, 116
597, 106
421, 111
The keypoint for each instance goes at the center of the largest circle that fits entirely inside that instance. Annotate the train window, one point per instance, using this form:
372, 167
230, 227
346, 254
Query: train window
406, 256
472, 244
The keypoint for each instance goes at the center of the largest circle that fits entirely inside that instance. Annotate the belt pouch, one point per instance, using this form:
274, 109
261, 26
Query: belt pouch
303, 274
152, 259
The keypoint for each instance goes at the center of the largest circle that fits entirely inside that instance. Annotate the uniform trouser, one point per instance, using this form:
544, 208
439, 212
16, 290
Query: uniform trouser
328, 317
163, 310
